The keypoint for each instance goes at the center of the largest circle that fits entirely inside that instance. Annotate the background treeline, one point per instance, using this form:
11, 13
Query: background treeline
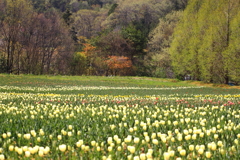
206, 41
160, 38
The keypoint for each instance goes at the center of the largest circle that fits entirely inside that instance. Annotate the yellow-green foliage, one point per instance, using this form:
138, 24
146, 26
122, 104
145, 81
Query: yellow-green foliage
205, 41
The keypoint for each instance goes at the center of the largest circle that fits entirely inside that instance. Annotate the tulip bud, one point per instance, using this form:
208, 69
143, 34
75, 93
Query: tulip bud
131, 149
171, 153
70, 127
119, 148
183, 152
155, 141
19, 150
59, 137
136, 140
191, 147
40, 153
142, 156
220, 143
4, 135
27, 154
208, 154
200, 151
11, 148
110, 148
93, 143
62, 147
166, 156
2, 157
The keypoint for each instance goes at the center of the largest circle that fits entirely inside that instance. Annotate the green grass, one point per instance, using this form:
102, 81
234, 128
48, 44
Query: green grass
26, 80
140, 82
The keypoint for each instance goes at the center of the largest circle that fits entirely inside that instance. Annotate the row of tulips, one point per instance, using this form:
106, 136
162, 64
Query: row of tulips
54, 126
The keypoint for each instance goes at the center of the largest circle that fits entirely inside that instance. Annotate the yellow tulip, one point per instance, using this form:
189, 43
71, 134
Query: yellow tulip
171, 153
27, 153
27, 136
191, 147
208, 154
70, 127
155, 141
9, 134
2, 157
25, 148
136, 140
4, 135
200, 151
166, 156
40, 153
11, 148
119, 148
220, 143
136, 158
110, 148
59, 137
62, 147
201, 134
131, 149
19, 150
142, 156
179, 148
93, 143
183, 152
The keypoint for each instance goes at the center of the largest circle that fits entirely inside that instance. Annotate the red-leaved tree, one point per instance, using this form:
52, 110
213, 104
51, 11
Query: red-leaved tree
118, 65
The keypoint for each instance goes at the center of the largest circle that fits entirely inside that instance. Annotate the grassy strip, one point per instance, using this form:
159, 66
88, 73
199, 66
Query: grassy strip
26, 80
147, 84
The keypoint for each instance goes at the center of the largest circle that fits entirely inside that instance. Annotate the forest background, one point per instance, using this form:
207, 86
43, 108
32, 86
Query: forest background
198, 39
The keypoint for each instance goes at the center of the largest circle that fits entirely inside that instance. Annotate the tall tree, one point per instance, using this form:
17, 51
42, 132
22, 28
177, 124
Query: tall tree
113, 44
216, 39
182, 50
232, 53
32, 42
84, 22
157, 60
39, 5
62, 5
11, 28
30, 39
55, 36
207, 37
179, 4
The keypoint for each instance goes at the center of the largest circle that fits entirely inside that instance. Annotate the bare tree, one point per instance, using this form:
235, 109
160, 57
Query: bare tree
11, 28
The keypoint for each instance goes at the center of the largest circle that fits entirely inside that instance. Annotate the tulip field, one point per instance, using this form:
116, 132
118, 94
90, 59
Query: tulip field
116, 118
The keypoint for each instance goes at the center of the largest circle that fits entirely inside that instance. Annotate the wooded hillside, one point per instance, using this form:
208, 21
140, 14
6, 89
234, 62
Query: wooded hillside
159, 38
